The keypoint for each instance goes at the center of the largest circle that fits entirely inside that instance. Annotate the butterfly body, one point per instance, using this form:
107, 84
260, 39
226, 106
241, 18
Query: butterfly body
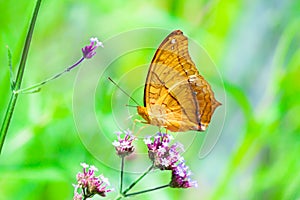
176, 96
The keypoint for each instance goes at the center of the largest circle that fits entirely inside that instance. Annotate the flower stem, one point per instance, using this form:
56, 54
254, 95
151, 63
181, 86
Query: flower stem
119, 197
140, 178
24, 90
122, 172
21, 69
149, 190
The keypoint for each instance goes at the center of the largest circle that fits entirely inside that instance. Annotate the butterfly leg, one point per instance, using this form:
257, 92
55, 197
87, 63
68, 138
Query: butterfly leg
140, 130
160, 128
140, 121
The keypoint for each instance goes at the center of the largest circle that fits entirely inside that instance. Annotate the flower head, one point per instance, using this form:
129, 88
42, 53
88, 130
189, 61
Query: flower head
181, 177
163, 155
88, 184
89, 51
124, 145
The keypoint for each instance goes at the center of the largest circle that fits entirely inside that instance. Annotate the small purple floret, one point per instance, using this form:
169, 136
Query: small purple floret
123, 145
88, 184
90, 50
181, 177
163, 155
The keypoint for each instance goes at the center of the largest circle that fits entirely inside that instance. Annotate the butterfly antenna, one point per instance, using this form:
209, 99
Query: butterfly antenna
123, 91
130, 106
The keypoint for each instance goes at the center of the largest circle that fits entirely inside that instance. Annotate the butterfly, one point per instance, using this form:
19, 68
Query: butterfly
176, 96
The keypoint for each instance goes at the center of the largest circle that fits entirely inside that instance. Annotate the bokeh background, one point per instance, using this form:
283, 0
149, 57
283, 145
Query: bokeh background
255, 47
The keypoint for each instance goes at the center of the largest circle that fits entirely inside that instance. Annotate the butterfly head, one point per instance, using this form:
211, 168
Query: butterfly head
142, 111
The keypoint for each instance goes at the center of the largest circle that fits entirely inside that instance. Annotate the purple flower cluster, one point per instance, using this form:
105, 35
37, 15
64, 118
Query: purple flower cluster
124, 145
88, 184
181, 177
167, 157
89, 51
161, 153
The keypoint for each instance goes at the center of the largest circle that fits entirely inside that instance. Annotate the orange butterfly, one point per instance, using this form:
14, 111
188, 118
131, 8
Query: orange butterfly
176, 96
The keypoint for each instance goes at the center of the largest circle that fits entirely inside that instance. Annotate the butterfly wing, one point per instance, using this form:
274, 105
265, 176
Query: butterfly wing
167, 87
173, 95
205, 97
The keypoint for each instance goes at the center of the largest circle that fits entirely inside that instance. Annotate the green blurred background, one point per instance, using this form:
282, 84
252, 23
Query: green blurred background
255, 45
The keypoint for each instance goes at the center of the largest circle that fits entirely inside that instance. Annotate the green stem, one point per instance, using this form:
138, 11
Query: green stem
122, 172
149, 190
24, 90
14, 96
119, 198
140, 178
